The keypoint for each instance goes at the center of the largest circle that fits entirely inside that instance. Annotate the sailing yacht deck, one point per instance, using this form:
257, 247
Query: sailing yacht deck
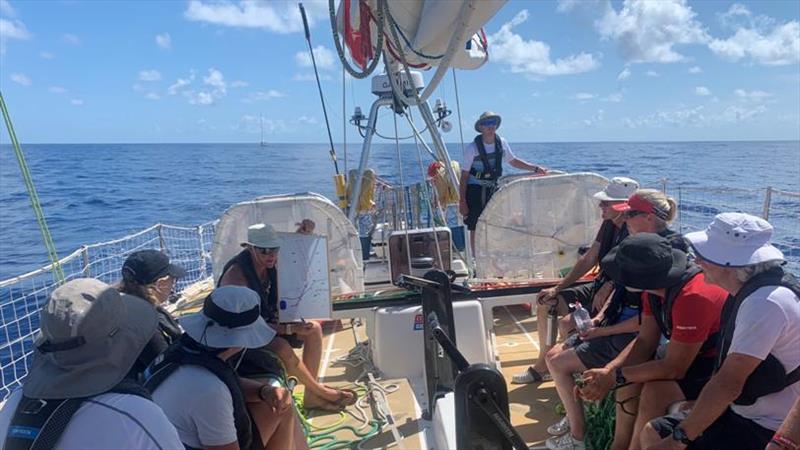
532, 406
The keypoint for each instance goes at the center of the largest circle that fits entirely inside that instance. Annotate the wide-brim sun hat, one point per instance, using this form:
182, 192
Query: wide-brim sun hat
619, 189
90, 337
735, 240
488, 115
262, 235
645, 261
231, 317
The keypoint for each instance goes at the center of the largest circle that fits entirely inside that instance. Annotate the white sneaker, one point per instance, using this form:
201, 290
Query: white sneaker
565, 442
559, 428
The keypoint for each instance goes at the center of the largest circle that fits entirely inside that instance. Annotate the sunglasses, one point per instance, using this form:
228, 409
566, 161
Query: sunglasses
266, 251
489, 123
633, 213
607, 203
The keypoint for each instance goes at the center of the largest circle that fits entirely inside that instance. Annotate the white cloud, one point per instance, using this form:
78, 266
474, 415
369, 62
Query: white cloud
614, 97
685, 117
624, 75
533, 57
76, 102
70, 38
213, 88
46, 55
20, 78
695, 70
252, 124
652, 73
755, 96
736, 114
149, 75
777, 47
12, 30
325, 58
152, 96
164, 41
57, 89
583, 96
278, 17
647, 31
305, 120
263, 96
179, 84
239, 84
596, 118
702, 91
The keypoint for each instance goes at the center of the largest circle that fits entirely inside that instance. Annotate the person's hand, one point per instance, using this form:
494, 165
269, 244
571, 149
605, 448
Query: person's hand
667, 444
303, 329
306, 226
277, 398
547, 296
463, 208
594, 332
598, 383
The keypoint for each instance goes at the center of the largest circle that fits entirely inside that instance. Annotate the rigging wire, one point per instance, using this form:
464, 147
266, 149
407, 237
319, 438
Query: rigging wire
404, 208
319, 86
52, 254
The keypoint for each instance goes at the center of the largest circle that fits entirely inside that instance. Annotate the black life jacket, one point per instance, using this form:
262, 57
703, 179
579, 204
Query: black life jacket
490, 172
186, 352
268, 292
38, 424
770, 375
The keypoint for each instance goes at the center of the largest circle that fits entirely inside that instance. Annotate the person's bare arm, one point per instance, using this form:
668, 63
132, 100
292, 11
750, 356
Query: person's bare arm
525, 165
789, 429
233, 277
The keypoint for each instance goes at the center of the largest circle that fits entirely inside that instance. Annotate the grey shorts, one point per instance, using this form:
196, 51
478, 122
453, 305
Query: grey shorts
600, 351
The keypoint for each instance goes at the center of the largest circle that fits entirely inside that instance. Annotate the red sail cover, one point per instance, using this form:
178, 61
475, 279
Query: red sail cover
357, 32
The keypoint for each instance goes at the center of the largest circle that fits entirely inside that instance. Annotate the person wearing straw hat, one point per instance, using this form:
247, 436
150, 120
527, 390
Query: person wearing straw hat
482, 167
757, 370
612, 231
81, 391
256, 267
196, 385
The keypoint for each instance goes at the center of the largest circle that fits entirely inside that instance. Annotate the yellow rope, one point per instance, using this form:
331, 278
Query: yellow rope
58, 273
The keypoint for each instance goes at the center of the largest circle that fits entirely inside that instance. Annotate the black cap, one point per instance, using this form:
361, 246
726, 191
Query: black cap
147, 266
645, 261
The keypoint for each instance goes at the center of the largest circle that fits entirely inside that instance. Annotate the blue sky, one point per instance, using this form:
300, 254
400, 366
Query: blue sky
197, 71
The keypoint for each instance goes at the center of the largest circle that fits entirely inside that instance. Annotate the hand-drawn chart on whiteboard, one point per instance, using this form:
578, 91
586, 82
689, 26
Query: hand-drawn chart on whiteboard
303, 285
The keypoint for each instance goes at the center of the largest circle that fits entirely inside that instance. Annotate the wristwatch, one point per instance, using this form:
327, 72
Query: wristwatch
619, 377
679, 435
287, 328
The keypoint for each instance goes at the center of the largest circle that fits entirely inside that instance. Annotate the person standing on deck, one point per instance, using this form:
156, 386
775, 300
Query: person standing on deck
482, 167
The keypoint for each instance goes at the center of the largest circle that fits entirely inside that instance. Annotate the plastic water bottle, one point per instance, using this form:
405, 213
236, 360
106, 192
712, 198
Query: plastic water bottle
582, 319
552, 326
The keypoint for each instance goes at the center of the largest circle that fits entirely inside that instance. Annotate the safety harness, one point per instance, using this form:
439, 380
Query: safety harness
187, 352
38, 424
770, 375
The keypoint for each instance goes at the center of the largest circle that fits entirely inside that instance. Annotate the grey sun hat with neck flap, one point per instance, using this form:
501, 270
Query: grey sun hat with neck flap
90, 337
645, 261
230, 318
262, 235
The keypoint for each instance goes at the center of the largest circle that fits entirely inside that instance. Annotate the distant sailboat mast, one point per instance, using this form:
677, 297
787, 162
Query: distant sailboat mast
263, 144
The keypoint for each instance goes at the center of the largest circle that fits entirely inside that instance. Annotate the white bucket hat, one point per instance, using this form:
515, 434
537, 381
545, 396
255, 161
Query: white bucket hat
90, 337
231, 317
262, 235
735, 240
619, 189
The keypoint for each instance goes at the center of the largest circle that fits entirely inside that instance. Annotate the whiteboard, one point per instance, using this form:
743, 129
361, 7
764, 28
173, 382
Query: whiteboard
304, 290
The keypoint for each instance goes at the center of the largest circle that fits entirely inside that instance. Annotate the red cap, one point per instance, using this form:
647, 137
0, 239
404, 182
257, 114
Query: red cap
638, 203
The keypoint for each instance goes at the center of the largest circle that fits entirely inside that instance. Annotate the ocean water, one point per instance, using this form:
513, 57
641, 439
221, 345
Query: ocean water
98, 192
